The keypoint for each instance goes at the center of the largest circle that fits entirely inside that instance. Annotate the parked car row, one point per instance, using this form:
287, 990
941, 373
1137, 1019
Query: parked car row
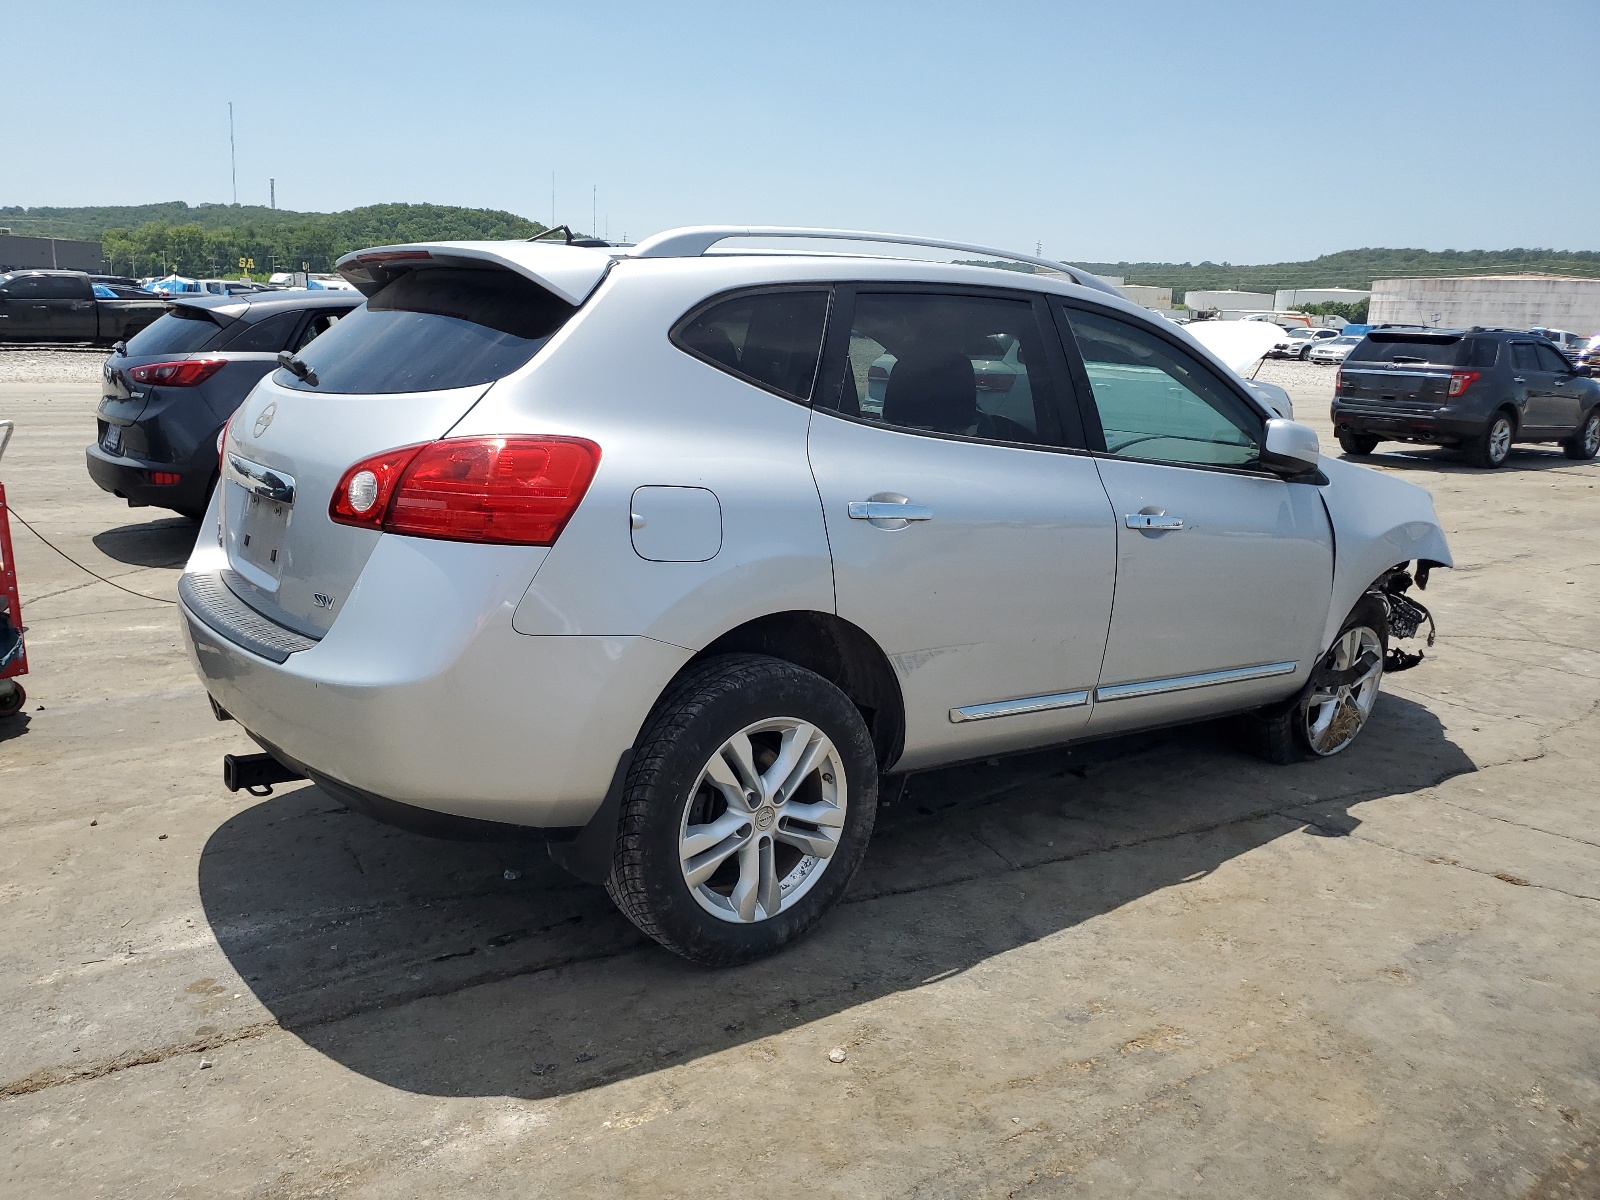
677, 569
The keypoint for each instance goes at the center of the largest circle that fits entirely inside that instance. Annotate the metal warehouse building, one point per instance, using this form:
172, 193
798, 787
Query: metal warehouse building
17, 253
1508, 301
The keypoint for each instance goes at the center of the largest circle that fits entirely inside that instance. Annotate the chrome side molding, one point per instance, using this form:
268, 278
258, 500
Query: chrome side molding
1013, 708
1184, 683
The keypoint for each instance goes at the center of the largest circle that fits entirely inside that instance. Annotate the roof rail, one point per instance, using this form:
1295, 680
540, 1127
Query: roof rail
693, 241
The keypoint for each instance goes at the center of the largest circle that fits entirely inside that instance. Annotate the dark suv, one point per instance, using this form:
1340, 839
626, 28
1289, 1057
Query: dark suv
170, 389
1477, 389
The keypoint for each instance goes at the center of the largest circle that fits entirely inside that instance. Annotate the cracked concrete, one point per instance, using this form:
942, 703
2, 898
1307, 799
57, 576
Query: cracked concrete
1153, 967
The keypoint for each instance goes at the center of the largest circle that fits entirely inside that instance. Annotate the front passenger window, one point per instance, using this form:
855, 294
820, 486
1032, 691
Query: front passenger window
1157, 402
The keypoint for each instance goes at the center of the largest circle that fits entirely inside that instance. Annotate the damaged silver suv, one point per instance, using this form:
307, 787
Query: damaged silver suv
674, 554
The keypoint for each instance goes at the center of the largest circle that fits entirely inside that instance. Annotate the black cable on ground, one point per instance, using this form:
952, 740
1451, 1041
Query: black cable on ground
80, 566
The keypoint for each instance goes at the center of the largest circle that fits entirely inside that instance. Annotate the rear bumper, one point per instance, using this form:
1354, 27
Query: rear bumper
413, 696
1440, 427
130, 479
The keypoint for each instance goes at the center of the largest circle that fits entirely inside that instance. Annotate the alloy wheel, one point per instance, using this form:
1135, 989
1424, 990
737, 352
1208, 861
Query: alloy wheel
1334, 715
1591, 435
1499, 439
763, 820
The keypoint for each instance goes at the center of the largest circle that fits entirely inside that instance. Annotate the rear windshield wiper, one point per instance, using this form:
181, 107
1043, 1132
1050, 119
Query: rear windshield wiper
1406, 358
297, 366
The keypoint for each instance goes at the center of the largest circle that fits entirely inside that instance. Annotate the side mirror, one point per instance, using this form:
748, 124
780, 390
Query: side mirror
1290, 449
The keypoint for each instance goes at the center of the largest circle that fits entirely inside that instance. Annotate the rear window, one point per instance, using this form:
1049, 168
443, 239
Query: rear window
1409, 348
179, 331
432, 329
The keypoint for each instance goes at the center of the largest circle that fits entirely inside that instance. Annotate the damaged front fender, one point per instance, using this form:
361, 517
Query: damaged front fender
1379, 523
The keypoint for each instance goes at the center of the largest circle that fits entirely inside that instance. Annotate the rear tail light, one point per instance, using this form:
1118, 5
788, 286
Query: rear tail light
1460, 381
507, 490
997, 382
183, 373
165, 478
1338, 378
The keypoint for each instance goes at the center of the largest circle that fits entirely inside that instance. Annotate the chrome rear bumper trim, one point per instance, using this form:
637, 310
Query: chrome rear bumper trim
1184, 683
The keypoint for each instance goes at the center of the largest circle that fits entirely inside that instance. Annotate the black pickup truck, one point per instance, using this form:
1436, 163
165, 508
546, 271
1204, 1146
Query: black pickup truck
60, 306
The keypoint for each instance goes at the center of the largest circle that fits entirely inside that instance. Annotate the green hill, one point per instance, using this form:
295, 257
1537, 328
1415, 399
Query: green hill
1351, 268
209, 239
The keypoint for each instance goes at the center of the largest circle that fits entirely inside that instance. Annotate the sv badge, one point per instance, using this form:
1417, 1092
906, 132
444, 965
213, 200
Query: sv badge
321, 601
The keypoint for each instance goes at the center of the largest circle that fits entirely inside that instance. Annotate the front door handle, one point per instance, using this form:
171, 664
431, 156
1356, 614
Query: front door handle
888, 510
1518, 379
1144, 520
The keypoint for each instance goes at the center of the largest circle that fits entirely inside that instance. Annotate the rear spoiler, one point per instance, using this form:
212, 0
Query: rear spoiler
570, 272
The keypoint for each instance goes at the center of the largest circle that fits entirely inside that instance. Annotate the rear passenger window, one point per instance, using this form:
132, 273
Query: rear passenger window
770, 338
268, 335
965, 365
1485, 353
1523, 357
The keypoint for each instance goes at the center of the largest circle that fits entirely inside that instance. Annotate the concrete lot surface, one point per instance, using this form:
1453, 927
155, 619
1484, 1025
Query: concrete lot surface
1150, 968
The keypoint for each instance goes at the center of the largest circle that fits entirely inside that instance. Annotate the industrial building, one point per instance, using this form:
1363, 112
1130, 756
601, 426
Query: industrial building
1291, 298
1507, 301
1146, 296
33, 253
1225, 301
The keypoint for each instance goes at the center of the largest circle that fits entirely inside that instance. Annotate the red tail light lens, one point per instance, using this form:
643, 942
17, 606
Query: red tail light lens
1338, 378
1460, 381
184, 373
507, 490
165, 478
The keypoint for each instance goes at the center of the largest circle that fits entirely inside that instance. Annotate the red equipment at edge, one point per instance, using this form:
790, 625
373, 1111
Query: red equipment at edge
13, 653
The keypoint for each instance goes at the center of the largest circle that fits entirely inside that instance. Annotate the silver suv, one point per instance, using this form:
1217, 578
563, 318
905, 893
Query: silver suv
633, 547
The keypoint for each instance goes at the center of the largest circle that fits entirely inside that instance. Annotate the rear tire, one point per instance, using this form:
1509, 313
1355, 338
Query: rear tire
1321, 721
1492, 447
747, 809
1584, 444
1358, 443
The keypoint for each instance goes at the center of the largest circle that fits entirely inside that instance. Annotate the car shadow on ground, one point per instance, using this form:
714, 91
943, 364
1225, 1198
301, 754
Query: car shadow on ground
1444, 459
14, 726
456, 969
163, 543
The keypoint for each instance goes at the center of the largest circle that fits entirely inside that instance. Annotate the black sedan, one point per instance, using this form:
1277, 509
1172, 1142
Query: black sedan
169, 390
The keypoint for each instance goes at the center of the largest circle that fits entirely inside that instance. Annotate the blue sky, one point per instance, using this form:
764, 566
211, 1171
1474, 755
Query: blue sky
1134, 130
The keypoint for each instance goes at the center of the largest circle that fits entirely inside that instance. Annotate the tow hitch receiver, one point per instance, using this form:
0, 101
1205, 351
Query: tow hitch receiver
255, 773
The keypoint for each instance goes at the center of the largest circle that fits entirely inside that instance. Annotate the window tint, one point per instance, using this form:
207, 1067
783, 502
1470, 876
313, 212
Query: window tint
268, 335
434, 328
1524, 357
62, 287
24, 287
1409, 348
179, 331
966, 365
319, 324
770, 338
1483, 353
1552, 359
1157, 402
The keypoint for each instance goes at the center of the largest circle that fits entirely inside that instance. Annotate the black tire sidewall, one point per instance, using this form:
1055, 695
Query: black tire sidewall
724, 696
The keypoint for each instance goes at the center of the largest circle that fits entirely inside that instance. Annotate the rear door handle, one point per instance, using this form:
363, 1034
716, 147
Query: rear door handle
1518, 379
1152, 521
888, 510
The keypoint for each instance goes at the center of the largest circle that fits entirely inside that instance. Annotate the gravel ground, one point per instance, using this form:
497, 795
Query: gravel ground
50, 366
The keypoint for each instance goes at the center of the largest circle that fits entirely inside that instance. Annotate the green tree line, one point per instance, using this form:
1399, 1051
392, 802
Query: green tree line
275, 239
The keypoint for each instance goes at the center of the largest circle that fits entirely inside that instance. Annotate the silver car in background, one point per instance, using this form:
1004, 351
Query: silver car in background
629, 546
1333, 350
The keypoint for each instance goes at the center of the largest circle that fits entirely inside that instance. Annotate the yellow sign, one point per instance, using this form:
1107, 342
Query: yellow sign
247, 262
